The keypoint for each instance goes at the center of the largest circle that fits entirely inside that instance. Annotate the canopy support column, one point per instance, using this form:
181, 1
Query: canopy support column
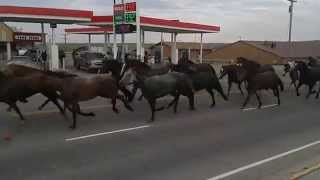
189, 54
138, 33
174, 54
89, 41
8, 51
114, 43
122, 47
201, 48
142, 44
43, 37
161, 49
105, 45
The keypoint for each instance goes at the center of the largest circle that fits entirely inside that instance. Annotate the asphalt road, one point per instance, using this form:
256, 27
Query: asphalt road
190, 145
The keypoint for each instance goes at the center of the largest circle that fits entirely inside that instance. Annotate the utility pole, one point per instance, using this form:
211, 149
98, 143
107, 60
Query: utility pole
290, 24
291, 17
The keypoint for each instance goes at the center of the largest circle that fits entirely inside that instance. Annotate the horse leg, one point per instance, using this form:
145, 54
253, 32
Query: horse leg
191, 102
16, 108
43, 104
83, 113
114, 103
134, 91
9, 109
56, 102
125, 102
310, 90
229, 87
298, 87
318, 93
278, 95
212, 97
127, 93
74, 116
141, 97
220, 90
239, 86
172, 102
246, 100
259, 100
152, 104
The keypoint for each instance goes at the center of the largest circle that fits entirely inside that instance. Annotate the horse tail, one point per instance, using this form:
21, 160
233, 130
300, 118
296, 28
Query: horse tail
217, 83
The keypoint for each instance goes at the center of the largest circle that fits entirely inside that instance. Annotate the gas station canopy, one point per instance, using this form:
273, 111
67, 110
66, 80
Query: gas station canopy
157, 25
43, 15
90, 30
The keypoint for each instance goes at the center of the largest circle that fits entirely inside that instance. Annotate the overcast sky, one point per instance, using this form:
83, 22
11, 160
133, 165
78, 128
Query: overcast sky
246, 19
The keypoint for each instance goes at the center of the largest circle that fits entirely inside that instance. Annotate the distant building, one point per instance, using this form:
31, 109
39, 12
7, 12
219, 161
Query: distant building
6, 39
266, 52
189, 49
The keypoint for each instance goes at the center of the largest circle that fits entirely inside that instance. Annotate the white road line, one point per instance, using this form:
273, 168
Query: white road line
244, 168
263, 107
106, 133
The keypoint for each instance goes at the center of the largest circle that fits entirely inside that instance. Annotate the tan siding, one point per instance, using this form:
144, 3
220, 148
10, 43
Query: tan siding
240, 49
6, 34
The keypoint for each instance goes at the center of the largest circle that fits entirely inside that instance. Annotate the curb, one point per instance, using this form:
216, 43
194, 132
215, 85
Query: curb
305, 172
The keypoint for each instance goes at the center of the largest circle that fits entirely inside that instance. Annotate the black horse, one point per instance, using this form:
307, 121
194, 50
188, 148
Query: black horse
258, 80
145, 70
115, 67
260, 67
203, 77
293, 74
308, 76
154, 87
236, 74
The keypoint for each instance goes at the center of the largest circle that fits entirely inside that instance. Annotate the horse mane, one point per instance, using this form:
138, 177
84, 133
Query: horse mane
135, 63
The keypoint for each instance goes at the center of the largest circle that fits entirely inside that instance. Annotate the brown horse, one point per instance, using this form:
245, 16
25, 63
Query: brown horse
76, 89
38, 81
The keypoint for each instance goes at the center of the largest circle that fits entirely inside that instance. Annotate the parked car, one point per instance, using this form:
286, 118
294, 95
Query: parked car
89, 61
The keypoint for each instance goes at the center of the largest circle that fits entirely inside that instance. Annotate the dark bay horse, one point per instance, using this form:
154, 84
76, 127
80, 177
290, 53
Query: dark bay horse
76, 89
236, 74
258, 80
157, 86
115, 67
13, 89
37, 80
203, 77
144, 69
308, 76
293, 74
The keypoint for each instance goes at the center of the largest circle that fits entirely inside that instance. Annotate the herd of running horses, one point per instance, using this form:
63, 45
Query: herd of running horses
120, 81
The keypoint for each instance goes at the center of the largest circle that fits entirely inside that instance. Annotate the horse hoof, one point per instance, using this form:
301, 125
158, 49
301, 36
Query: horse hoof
92, 114
192, 109
212, 105
116, 111
72, 127
150, 121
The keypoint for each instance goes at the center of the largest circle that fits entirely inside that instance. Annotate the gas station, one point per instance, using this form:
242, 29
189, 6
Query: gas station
126, 20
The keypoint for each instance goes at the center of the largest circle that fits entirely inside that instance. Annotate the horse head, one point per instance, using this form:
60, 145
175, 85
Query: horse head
251, 66
286, 69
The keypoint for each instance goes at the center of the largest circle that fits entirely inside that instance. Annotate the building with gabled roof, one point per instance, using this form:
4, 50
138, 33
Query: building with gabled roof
266, 52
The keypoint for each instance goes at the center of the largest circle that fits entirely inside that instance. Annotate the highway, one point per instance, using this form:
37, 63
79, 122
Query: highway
224, 142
